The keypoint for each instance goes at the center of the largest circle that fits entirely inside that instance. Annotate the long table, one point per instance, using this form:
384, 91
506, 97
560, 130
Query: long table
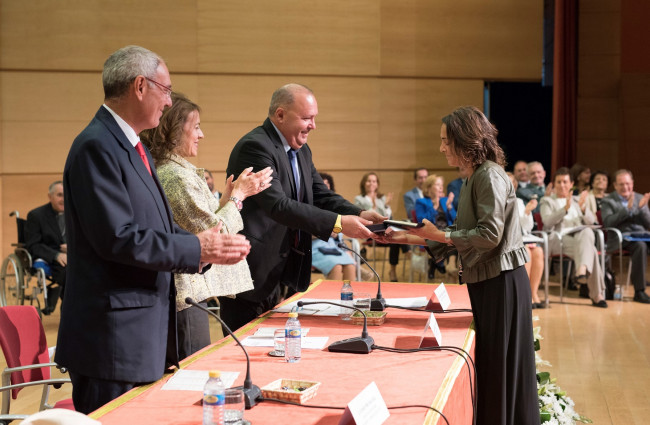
438, 379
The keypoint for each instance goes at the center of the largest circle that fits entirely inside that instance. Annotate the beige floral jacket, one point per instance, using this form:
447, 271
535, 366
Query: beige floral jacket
196, 209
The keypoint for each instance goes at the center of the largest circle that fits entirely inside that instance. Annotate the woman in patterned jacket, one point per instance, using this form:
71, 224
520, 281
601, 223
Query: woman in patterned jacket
195, 209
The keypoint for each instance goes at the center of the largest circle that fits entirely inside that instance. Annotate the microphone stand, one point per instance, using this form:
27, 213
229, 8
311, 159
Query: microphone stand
378, 303
362, 345
252, 393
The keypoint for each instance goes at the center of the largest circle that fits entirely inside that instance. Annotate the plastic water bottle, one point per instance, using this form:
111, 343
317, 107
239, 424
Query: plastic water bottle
618, 295
292, 339
347, 296
214, 399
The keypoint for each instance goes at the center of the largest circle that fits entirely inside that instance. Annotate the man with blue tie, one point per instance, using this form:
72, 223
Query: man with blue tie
279, 221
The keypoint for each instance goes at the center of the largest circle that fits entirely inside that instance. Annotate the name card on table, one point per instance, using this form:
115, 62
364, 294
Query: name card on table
427, 339
367, 408
440, 299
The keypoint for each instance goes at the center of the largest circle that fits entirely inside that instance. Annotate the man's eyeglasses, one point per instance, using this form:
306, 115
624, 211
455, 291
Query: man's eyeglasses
165, 89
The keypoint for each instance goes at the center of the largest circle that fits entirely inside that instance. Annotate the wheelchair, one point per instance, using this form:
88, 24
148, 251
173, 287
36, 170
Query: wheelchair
17, 272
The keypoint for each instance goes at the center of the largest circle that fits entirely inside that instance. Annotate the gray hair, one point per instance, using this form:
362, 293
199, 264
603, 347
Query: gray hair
124, 65
284, 96
530, 164
623, 171
52, 187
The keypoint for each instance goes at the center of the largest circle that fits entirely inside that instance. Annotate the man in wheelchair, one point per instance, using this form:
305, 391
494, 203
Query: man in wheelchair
46, 242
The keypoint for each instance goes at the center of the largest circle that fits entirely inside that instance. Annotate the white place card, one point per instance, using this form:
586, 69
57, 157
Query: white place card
443, 296
367, 408
432, 324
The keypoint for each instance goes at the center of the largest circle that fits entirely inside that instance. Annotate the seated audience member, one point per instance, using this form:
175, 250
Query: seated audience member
373, 200
439, 211
581, 176
628, 211
195, 209
334, 262
562, 212
599, 182
520, 171
45, 239
535, 267
535, 189
454, 187
210, 181
414, 194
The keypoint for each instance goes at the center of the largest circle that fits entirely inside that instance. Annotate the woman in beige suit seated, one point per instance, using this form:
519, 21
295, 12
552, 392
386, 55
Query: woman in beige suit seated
563, 213
196, 209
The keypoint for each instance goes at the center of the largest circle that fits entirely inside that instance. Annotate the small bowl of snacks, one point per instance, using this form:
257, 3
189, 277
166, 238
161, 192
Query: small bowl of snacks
291, 390
375, 318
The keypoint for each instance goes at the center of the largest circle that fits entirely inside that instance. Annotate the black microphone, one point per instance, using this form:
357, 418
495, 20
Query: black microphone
356, 345
378, 303
252, 392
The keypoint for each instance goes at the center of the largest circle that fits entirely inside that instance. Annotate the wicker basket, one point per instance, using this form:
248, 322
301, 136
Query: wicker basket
274, 390
375, 318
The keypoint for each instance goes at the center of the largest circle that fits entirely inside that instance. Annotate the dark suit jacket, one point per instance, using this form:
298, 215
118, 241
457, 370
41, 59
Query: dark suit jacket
122, 245
272, 218
615, 214
43, 237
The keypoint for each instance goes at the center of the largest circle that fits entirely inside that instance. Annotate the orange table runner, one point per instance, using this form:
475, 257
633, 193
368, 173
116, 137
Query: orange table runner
437, 379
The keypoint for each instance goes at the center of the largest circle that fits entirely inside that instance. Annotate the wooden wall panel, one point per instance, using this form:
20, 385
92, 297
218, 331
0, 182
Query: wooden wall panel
22, 193
462, 39
37, 147
635, 109
289, 37
79, 35
411, 113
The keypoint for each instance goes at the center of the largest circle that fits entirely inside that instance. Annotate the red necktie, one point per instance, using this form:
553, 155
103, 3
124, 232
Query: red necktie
140, 149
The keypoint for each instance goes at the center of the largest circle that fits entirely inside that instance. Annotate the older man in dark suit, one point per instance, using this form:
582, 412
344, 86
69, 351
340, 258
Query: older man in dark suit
45, 240
628, 211
279, 221
118, 326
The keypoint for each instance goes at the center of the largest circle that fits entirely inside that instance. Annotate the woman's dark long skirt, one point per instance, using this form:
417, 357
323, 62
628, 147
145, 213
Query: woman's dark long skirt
505, 353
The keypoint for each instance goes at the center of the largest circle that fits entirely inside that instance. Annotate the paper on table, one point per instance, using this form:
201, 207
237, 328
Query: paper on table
408, 302
268, 332
316, 342
194, 380
313, 309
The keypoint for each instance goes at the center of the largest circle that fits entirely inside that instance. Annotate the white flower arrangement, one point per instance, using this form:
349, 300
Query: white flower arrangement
555, 407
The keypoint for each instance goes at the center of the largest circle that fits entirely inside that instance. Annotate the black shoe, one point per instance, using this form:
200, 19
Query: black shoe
540, 305
582, 279
641, 297
601, 304
534, 306
584, 291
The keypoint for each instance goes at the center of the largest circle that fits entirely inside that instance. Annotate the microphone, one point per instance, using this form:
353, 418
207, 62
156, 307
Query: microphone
362, 345
252, 392
378, 303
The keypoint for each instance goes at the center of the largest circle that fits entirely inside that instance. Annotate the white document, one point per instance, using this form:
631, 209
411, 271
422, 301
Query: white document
194, 380
572, 230
316, 342
313, 309
369, 407
268, 332
417, 302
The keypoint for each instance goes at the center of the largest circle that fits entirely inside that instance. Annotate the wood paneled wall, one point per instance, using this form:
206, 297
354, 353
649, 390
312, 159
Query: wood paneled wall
384, 73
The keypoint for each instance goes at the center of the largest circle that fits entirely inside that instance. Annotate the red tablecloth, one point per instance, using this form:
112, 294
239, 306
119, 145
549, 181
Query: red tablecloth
437, 379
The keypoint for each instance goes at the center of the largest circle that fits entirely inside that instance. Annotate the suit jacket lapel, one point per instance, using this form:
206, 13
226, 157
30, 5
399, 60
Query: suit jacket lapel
54, 224
284, 165
152, 184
